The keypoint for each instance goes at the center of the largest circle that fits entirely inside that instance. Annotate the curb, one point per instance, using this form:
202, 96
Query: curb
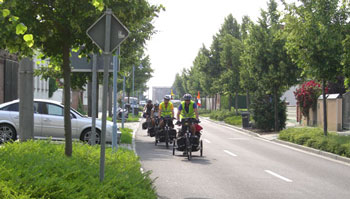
301, 147
315, 151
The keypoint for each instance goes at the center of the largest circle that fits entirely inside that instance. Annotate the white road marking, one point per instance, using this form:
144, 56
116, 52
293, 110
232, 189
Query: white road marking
238, 138
230, 153
278, 176
207, 141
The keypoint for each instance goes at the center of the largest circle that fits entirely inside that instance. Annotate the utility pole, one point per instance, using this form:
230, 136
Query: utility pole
133, 88
123, 114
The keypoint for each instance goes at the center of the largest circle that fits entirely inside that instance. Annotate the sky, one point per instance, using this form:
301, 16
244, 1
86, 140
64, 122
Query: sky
184, 27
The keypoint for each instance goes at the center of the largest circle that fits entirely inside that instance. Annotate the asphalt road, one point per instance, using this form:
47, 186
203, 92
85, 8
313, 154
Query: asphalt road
237, 165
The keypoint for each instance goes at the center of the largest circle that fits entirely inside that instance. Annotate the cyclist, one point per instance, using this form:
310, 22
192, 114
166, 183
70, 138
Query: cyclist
154, 113
188, 109
166, 109
148, 108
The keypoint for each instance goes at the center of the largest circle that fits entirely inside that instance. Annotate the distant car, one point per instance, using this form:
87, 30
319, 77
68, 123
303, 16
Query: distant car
49, 122
143, 103
120, 113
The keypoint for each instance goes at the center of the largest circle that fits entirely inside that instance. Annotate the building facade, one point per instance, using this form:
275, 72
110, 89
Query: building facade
158, 93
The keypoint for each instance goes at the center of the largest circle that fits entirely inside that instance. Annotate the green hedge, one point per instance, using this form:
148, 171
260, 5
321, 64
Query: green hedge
234, 120
314, 137
227, 116
39, 169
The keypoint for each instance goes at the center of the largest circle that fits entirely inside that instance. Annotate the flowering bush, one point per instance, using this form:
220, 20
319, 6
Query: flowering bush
307, 95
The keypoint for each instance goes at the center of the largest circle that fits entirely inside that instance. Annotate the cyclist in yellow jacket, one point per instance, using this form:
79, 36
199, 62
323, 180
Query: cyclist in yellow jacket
166, 109
188, 109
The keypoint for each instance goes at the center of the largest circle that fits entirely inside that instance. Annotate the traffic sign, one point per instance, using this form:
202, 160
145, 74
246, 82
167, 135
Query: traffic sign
85, 65
118, 32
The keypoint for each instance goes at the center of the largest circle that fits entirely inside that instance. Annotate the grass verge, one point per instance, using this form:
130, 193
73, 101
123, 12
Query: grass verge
131, 118
314, 138
39, 169
126, 137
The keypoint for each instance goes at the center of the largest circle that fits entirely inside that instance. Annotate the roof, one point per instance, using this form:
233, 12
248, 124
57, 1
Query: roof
36, 100
330, 96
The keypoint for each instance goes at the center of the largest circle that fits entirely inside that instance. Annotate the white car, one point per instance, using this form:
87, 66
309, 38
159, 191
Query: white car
49, 122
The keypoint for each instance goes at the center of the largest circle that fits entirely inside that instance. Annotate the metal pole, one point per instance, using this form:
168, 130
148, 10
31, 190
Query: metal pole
107, 56
26, 109
133, 88
123, 115
115, 77
93, 100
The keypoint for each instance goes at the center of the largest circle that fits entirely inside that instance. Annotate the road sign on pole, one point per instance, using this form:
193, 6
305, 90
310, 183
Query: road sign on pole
118, 32
107, 33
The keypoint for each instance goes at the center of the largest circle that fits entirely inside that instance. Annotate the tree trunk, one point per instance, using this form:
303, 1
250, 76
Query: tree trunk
110, 102
324, 108
89, 98
276, 108
67, 117
229, 102
247, 100
236, 103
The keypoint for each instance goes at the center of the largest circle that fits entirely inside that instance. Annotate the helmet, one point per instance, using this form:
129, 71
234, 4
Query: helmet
166, 97
187, 96
156, 104
149, 101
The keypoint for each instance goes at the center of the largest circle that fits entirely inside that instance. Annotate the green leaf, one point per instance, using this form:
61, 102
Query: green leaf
21, 29
28, 38
5, 12
13, 18
75, 49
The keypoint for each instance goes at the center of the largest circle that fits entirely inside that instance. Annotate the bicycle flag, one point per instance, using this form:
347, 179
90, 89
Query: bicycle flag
172, 94
199, 100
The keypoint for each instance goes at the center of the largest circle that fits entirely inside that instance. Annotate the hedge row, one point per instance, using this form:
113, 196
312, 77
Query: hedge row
39, 169
227, 116
314, 137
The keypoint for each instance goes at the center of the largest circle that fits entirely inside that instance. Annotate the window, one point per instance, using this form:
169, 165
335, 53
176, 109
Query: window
11, 107
54, 110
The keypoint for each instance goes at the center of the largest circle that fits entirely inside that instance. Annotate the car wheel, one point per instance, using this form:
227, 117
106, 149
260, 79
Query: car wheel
86, 135
7, 133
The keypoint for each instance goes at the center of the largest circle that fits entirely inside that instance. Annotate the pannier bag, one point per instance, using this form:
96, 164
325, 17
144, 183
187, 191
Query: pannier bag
144, 125
152, 132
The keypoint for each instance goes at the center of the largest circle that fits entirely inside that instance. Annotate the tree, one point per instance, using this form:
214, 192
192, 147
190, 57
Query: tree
230, 60
55, 27
315, 36
246, 80
269, 64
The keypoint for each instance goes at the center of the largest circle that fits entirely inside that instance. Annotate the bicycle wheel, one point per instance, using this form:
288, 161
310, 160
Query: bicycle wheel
189, 154
201, 150
167, 139
174, 148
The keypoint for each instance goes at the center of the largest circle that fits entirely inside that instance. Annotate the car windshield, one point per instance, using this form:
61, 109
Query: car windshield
76, 112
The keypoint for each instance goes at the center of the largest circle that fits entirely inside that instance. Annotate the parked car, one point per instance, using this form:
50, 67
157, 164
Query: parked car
120, 112
49, 122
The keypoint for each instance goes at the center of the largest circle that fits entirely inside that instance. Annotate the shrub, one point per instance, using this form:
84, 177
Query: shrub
234, 120
314, 137
39, 169
263, 112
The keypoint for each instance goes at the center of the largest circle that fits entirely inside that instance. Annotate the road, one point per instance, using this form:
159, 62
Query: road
237, 165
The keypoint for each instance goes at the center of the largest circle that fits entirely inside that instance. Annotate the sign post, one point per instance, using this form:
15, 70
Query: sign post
107, 33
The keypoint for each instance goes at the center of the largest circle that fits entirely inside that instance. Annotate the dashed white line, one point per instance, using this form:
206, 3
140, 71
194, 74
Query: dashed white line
230, 153
278, 176
207, 141
238, 138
